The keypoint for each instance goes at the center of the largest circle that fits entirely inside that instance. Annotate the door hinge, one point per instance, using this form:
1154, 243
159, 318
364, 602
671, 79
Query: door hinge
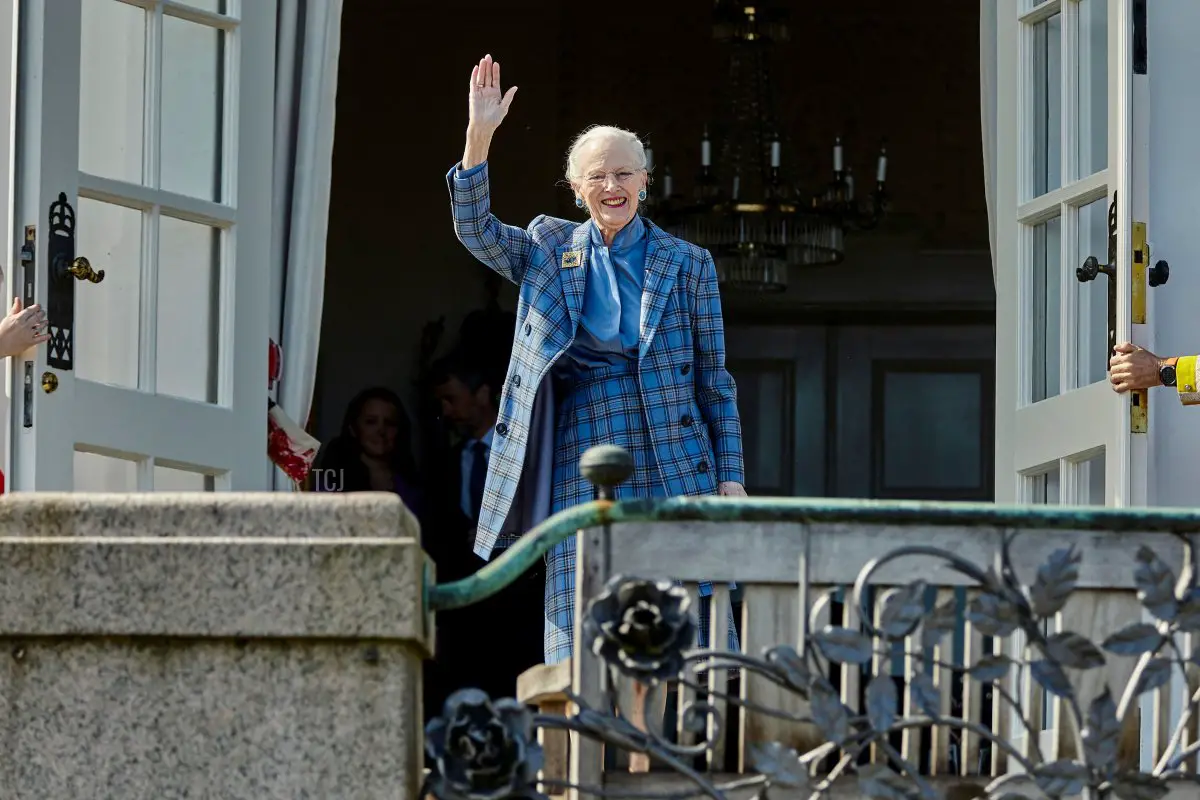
28, 279
1139, 400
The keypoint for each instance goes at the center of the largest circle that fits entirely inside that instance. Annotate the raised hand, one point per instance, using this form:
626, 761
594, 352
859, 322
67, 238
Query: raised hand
486, 106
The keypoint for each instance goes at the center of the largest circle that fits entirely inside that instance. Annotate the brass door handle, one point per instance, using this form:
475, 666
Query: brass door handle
79, 268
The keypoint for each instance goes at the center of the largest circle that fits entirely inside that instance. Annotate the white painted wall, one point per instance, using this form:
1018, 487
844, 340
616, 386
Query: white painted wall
1174, 63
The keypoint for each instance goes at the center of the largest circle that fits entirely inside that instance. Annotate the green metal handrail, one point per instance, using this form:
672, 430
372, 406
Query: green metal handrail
542, 538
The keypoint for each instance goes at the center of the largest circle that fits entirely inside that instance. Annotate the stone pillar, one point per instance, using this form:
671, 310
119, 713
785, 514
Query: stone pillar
210, 645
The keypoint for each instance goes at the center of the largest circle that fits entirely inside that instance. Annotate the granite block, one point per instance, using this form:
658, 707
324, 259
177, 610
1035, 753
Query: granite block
127, 719
214, 587
239, 514
220, 646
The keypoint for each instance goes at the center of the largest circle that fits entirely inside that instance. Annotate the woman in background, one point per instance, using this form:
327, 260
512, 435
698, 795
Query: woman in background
373, 451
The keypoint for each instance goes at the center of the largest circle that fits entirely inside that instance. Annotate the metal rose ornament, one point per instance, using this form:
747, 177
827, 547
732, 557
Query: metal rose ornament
641, 627
482, 749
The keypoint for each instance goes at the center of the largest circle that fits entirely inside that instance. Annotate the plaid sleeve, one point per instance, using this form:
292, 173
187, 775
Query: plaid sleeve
716, 393
504, 248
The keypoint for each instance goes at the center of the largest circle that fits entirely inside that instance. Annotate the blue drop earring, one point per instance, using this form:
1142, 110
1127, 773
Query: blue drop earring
642, 195
578, 201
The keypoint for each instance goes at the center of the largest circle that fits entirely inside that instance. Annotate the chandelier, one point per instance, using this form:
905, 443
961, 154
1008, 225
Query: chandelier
746, 208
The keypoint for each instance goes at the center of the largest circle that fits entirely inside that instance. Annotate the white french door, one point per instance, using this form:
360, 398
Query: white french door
143, 145
1066, 193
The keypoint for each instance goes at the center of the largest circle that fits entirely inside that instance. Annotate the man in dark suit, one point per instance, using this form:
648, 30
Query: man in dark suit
490, 644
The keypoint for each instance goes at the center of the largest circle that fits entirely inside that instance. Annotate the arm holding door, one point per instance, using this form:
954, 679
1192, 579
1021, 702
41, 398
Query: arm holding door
1134, 368
22, 329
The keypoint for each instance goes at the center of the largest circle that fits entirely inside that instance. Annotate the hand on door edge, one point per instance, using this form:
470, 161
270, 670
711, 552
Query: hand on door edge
22, 329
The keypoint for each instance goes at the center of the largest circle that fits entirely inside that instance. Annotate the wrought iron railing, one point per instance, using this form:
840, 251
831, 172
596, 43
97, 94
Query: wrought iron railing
641, 630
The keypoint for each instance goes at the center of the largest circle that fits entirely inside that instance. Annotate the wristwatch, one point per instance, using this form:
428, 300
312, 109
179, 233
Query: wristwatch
1166, 371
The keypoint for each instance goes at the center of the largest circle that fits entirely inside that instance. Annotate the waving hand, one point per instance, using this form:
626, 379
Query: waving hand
487, 106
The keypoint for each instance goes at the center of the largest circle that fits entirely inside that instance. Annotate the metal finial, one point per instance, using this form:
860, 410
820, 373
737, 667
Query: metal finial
605, 467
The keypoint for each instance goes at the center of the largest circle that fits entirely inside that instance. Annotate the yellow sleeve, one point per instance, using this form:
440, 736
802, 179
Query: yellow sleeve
1185, 381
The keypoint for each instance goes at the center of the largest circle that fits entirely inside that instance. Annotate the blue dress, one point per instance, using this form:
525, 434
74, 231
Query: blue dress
600, 402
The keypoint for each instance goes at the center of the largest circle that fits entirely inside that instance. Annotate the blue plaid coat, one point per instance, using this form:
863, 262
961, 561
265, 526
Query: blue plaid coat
681, 352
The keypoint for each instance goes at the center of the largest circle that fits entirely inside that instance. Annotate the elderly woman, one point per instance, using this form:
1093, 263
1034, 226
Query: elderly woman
619, 322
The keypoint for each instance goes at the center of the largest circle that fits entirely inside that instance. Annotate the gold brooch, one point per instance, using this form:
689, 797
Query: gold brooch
572, 258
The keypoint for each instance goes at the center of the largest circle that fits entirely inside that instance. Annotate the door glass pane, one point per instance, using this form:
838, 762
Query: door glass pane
111, 97
97, 473
1089, 481
1044, 488
1046, 311
107, 314
168, 479
1093, 87
1092, 338
1046, 97
188, 286
192, 100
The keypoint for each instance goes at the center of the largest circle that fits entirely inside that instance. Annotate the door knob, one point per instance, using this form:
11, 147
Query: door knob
1157, 275
80, 268
1091, 268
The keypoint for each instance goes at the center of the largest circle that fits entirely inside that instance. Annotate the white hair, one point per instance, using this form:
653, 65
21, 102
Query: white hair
601, 132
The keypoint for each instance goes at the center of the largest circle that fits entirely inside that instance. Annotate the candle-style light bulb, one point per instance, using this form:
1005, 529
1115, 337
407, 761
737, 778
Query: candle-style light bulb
705, 150
881, 170
850, 184
837, 155
775, 153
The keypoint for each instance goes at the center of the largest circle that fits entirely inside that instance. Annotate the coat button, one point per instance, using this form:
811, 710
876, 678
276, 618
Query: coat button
502, 429
685, 369
686, 420
517, 381
528, 329
702, 467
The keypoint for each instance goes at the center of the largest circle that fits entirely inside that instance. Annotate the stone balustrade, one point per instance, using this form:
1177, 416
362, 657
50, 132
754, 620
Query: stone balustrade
211, 645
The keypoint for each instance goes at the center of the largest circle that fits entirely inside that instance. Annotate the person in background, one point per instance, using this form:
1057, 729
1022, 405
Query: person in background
373, 451
488, 645
22, 328
1134, 368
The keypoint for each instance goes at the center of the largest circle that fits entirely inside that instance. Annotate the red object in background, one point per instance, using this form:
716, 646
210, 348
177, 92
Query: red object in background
274, 364
288, 446
1, 481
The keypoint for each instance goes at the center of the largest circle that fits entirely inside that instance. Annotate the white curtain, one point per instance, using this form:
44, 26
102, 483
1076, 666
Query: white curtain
987, 112
307, 45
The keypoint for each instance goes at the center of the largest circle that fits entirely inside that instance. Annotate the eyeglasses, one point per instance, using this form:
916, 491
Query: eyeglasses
620, 176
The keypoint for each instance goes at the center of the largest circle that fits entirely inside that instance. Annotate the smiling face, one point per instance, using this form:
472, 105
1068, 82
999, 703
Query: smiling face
376, 428
609, 177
